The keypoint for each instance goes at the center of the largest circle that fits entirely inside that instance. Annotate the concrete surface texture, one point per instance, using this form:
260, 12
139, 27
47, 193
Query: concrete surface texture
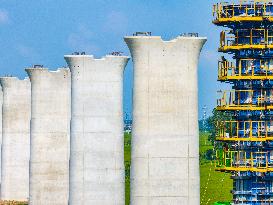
16, 139
96, 158
50, 132
1, 103
165, 145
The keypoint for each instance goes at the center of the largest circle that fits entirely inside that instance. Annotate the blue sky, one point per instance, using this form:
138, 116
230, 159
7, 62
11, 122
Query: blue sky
42, 31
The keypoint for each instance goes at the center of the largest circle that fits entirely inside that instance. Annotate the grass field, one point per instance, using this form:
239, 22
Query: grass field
215, 186
127, 161
12, 203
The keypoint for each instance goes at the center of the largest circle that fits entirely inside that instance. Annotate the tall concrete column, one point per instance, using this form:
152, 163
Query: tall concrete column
50, 132
96, 160
1, 104
165, 141
16, 139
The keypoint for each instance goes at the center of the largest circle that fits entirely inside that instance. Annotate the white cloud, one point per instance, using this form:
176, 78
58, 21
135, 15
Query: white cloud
28, 52
4, 16
81, 40
116, 22
24, 50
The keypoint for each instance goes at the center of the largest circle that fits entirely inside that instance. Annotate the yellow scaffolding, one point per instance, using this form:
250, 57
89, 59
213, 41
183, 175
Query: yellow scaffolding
254, 131
244, 161
249, 11
228, 71
246, 39
244, 100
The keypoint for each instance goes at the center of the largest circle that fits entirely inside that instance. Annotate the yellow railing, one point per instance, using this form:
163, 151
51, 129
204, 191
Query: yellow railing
246, 38
243, 11
245, 69
243, 161
245, 131
244, 100
225, 69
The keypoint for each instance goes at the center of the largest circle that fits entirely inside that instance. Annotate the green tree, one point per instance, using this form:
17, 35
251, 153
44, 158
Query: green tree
215, 122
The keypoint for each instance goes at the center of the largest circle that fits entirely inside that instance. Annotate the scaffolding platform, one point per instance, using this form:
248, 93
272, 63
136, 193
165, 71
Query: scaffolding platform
244, 143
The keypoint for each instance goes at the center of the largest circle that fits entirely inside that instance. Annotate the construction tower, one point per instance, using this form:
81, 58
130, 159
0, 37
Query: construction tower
245, 141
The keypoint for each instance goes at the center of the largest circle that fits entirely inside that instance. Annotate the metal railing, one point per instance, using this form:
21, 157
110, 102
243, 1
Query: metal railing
245, 131
142, 33
38, 66
245, 69
189, 34
116, 53
243, 160
79, 53
244, 9
244, 99
246, 37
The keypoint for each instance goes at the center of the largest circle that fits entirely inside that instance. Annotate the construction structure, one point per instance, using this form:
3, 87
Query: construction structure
165, 140
50, 133
245, 146
16, 139
97, 174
